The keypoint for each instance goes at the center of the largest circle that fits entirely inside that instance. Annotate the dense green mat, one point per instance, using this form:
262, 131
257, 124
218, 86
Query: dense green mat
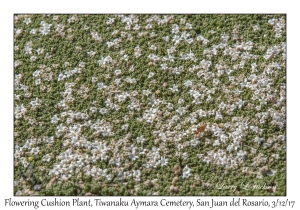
117, 105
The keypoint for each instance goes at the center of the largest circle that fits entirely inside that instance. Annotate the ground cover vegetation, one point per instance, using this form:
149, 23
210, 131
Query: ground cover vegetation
149, 104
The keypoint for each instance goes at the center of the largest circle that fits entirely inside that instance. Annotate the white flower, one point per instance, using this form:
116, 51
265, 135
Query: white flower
186, 172
45, 28
94, 79
175, 118
125, 57
101, 86
27, 21
96, 37
175, 29
33, 31
216, 81
93, 109
118, 72
241, 155
276, 156
240, 103
202, 39
189, 26
55, 17
176, 39
136, 174
223, 138
188, 83
46, 158
222, 106
194, 142
35, 150
255, 27
150, 115
146, 92
170, 106
91, 53
55, 119
218, 116
258, 140
37, 82
180, 101
153, 47
174, 88
216, 143
18, 31
33, 58
35, 103
166, 38
125, 127
28, 48
151, 74
152, 34
110, 21
40, 51
181, 110
164, 161
137, 51
140, 139
81, 64
164, 66
109, 177
103, 111
202, 113
185, 156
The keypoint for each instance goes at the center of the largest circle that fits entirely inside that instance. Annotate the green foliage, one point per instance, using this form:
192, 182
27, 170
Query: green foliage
69, 46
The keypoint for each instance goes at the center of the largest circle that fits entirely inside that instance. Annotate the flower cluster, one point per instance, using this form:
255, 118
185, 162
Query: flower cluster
148, 103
